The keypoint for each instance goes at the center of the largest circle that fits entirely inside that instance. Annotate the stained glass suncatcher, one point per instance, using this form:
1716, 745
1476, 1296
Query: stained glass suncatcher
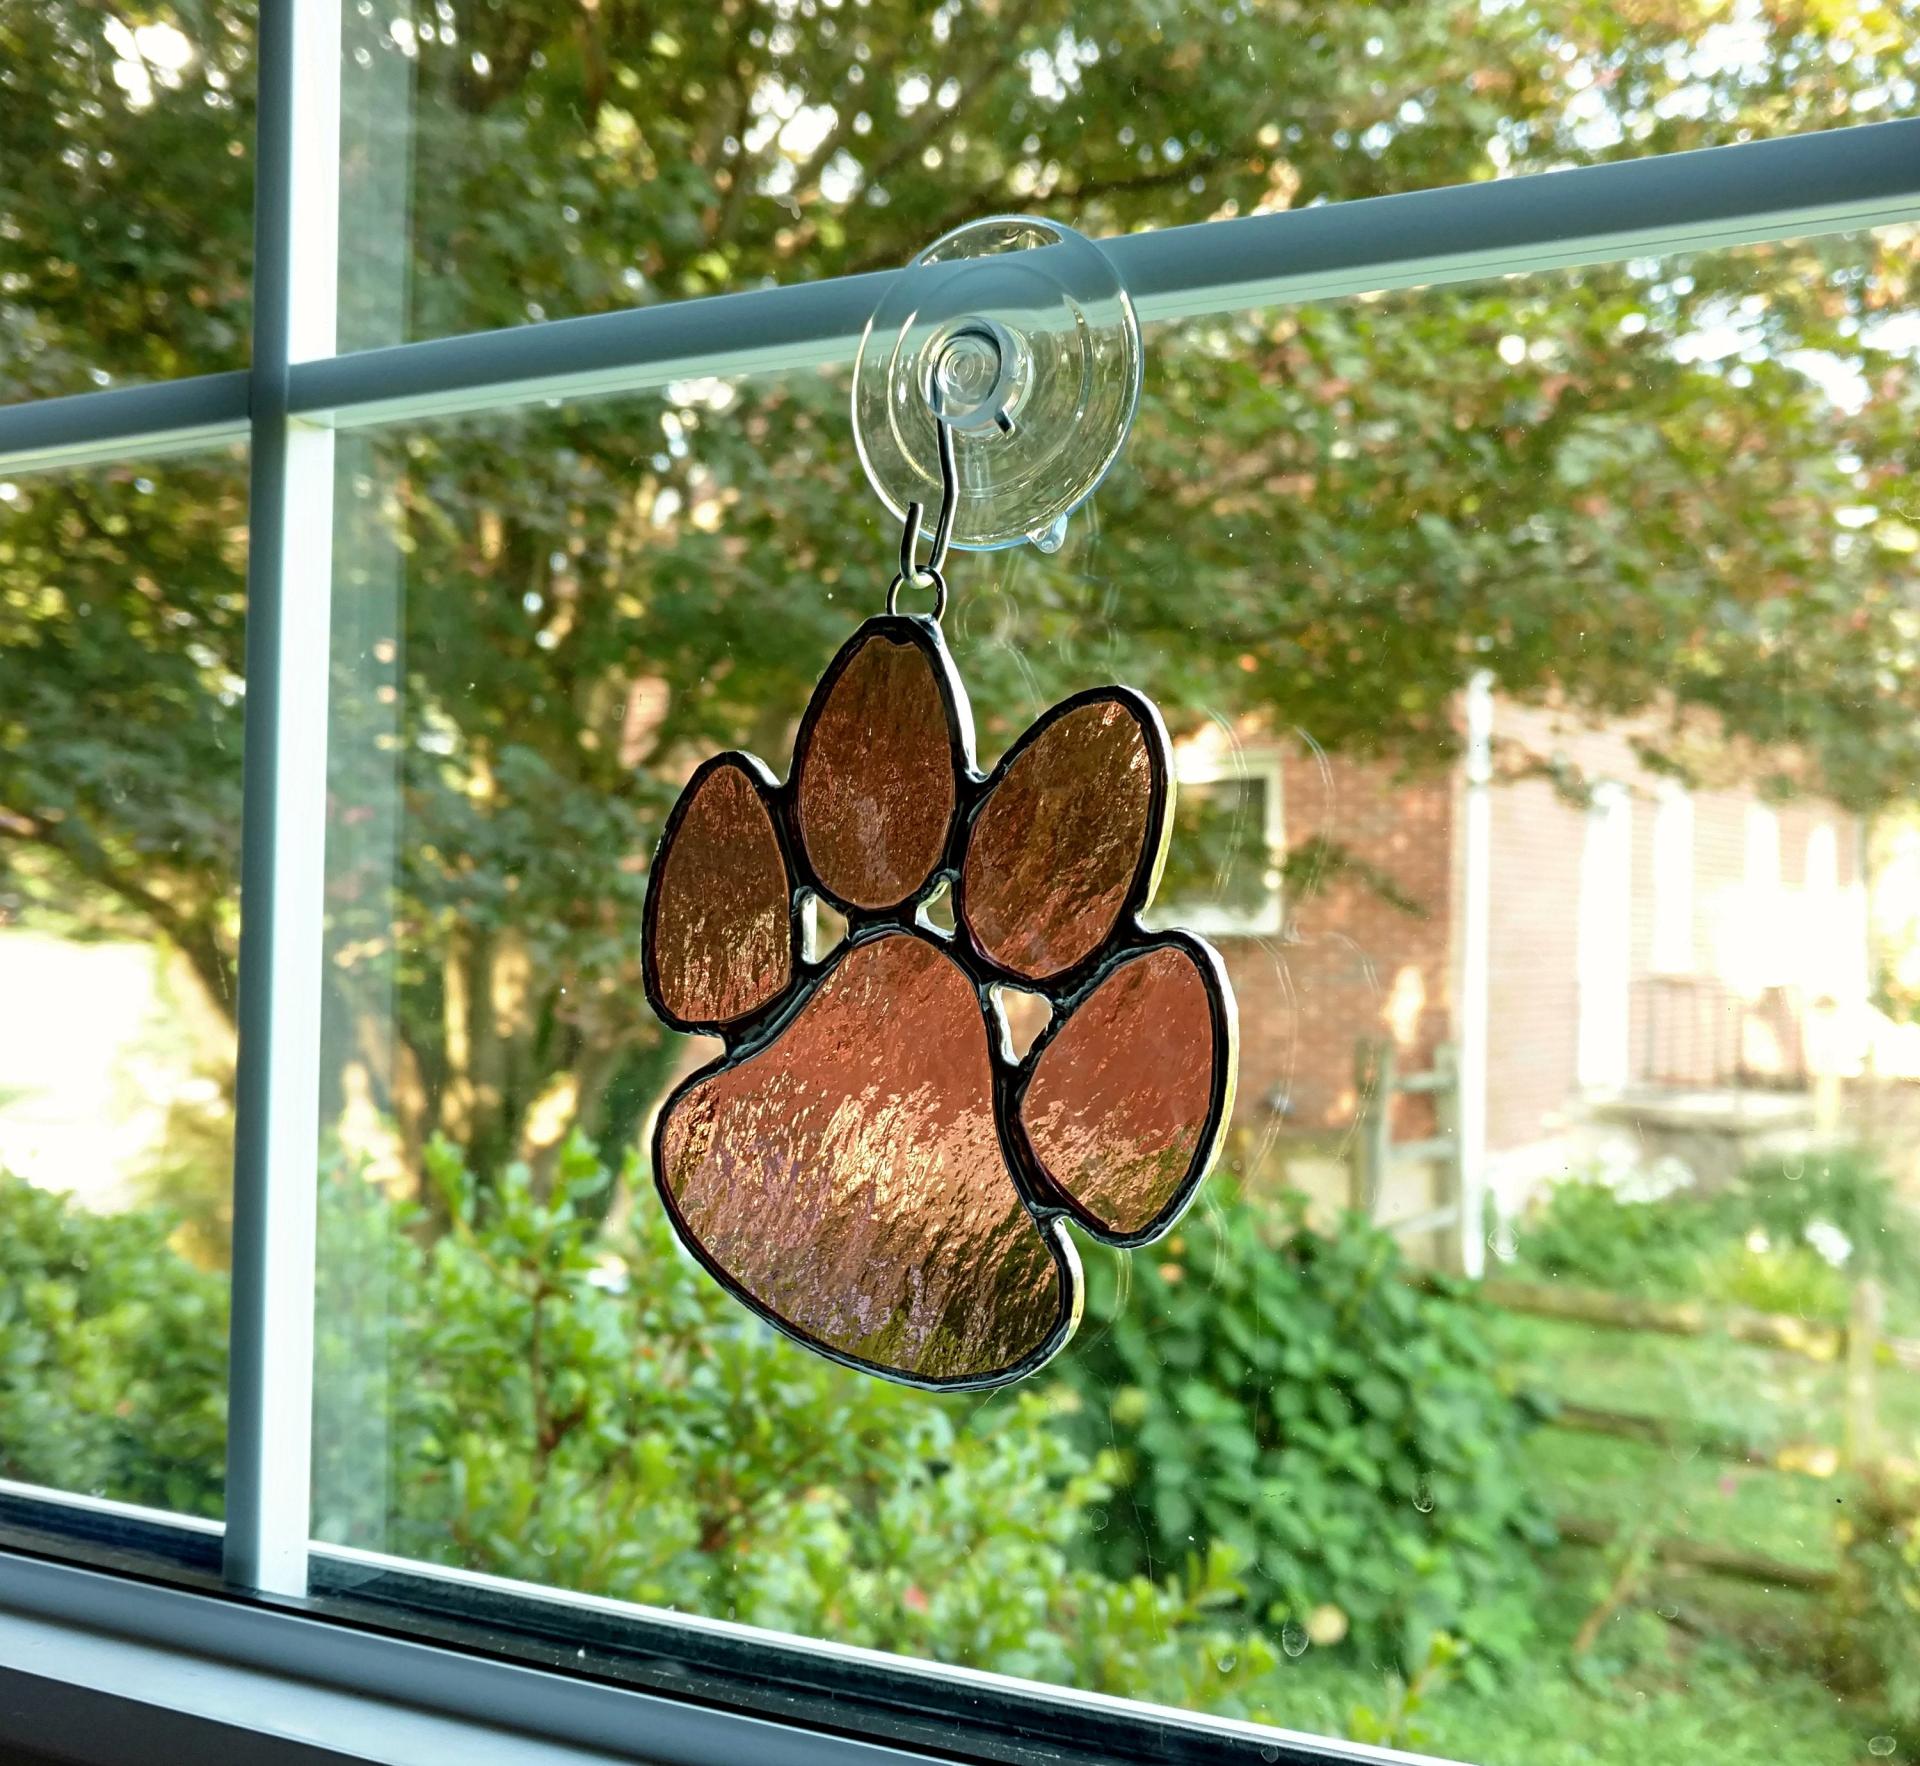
869, 1165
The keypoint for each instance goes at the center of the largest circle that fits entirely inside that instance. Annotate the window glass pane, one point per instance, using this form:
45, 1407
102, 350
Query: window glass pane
511, 160
122, 615
126, 192
1646, 522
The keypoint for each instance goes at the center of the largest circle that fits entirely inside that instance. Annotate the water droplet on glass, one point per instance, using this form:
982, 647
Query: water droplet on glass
1225, 1661
1423, 1497
1881, 1746
1503, 1242
1096, 1519
1270, 1754
1294, 1639
1051, 539
1668, 1613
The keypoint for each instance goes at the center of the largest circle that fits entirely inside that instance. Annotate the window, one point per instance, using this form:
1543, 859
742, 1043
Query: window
1610, 464
126, 194
1224, 869
122, 676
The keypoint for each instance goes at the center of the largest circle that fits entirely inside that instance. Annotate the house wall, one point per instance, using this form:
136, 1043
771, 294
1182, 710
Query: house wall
1753, 941
1352, 964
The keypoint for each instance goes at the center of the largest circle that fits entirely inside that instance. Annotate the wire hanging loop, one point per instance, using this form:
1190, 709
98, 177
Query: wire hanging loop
968, 339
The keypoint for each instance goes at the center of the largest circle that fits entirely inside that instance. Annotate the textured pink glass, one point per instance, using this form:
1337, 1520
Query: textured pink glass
720, 918
849, 1177
877, 786
1059, 841
1120, 1098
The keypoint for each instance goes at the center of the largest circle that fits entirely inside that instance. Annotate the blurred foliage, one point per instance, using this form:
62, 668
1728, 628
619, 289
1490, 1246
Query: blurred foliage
1616, 487
567, 1406
1792, 1235
113, 1355
1588, 1231
1285, 1392
1879, 1600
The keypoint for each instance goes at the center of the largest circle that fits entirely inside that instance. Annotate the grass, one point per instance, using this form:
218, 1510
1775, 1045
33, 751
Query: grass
1653, 1692
1691, 1667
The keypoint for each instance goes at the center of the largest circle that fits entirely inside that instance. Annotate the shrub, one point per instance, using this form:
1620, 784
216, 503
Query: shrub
550, 1402
1771, 1276
1791, 1236
1584, 1231
113, 1355
1794, 1199
1288, 1393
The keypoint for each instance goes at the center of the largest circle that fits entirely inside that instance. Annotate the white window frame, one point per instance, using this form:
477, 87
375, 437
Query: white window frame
1265, 766
288, 406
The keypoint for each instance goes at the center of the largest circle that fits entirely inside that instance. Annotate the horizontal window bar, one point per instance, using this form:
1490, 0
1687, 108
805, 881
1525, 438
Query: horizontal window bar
1842, 179
1786, 187
1797, 185
127, 422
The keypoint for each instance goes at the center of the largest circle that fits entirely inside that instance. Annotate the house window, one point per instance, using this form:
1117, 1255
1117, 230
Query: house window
536, 480
1673, 866
1225, 864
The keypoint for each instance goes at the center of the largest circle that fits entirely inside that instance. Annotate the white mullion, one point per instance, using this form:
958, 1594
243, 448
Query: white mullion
269, 1448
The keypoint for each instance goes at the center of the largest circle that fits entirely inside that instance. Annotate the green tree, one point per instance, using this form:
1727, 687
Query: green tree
1617, 487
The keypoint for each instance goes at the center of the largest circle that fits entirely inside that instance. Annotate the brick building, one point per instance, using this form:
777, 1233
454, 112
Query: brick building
1573, 953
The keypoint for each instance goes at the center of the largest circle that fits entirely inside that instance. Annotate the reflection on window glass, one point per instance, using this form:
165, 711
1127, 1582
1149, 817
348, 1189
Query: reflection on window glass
126, 192
1655, 521
513, 160
122, 615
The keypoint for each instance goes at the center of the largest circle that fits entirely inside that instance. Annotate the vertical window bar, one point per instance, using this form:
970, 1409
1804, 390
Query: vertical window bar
289, 579
1476, 931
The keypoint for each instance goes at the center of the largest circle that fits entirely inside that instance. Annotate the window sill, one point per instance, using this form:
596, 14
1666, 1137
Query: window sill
103, 1668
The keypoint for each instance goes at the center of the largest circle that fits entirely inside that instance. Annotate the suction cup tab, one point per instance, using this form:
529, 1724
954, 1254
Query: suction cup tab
1020, 333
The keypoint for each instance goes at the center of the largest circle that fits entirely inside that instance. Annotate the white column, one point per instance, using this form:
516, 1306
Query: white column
1475, 935
283, 847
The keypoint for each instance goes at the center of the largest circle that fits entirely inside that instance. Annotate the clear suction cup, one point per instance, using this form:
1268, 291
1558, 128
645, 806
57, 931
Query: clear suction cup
1020, 331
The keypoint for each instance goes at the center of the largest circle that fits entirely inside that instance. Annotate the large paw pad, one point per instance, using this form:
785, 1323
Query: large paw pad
869, 1165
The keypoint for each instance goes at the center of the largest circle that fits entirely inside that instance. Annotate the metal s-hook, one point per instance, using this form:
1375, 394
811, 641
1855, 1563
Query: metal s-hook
981, 343
930, 573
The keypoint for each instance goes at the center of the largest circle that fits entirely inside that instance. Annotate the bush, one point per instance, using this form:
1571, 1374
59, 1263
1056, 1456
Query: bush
1797, 1200
113, 1355
1586, 1232
1773, 1276
1792, 1235
529, 1396
1289, 1394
